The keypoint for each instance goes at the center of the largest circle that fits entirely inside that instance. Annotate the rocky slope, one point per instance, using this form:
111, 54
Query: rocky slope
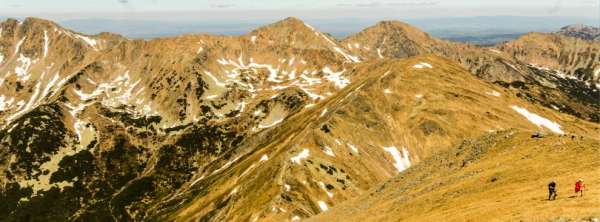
575, 58
87, 120
279, 124
580, 31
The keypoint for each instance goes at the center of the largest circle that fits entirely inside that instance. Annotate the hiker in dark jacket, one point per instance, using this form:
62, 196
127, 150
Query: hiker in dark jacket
552, 191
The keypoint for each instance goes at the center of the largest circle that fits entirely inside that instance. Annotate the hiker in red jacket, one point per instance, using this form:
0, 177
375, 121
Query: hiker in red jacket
579, 186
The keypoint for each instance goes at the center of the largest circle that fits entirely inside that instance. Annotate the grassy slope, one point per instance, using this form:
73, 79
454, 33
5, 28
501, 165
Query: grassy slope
370, 119
440, 188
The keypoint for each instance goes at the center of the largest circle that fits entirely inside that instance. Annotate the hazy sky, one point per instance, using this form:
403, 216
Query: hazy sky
301, 8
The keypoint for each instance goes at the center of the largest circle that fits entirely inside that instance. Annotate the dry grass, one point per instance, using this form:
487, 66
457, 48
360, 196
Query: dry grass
456, 104
522, 167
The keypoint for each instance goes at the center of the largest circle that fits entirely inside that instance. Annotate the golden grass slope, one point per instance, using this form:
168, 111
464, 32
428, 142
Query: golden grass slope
389, 103
499, 177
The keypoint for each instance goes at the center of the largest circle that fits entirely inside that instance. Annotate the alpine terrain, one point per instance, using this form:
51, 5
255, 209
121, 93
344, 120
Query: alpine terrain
287, 123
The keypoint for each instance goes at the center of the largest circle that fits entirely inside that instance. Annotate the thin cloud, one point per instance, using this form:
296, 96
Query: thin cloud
343, 5
394, 4
412, 4
371, 4
222, 5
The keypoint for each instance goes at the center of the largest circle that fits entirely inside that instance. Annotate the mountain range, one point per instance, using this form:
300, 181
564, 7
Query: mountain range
581, 31
288, 123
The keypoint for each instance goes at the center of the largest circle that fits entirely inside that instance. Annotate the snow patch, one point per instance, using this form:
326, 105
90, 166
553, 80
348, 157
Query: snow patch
30, 103
538, 120
215, 80
271, 124
91, 42
338, 142
310, 81
494, 93
327, 150
323, 206
22, 69
387, 91
264, 158
18, 46
402, 161
46, 43
50, 85
312, 96
5, 103
253, 39
302, 155
212, 97
379, 54
336, 77
352, 147
322, 185
345, 55
422, 65
323, 112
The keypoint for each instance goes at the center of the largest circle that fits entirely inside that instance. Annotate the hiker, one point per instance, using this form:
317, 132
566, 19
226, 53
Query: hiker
579, 186
552, 190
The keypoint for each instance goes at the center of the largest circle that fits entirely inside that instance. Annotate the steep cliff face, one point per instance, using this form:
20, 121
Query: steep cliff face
279, 124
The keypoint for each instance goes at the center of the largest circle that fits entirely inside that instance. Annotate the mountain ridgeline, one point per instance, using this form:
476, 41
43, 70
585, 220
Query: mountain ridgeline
281, 124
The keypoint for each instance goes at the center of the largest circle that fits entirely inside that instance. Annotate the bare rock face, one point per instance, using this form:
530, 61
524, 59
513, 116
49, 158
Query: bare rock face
580, 31
279, 124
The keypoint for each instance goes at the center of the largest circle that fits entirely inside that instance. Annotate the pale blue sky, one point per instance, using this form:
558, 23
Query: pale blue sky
412, 8
151, 18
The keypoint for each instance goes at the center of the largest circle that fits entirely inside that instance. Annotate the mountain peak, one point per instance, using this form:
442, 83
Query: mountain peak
400, 27
392, 29
292, 20
291, 23
38, 21
28, 25
393, 39
294, 31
